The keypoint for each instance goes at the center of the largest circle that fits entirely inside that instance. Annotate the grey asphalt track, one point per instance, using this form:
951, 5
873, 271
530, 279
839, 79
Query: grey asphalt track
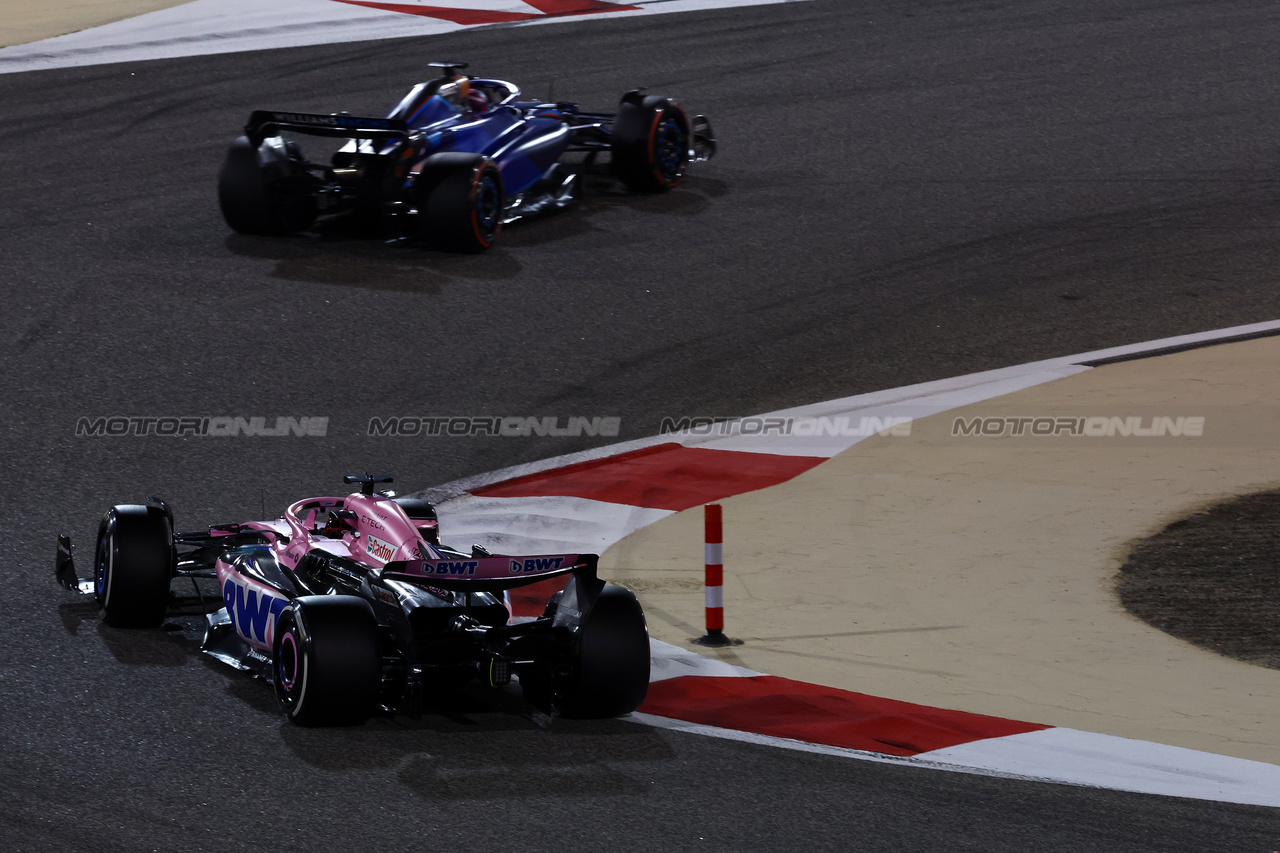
905, 192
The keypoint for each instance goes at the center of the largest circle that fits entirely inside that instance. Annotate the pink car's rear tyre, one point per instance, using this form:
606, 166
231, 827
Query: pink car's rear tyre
327, 661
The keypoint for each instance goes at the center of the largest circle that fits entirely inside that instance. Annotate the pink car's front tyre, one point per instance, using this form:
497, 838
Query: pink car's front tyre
133, 565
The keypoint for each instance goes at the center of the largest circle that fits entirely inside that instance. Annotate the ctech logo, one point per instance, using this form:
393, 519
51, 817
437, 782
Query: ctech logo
254, 612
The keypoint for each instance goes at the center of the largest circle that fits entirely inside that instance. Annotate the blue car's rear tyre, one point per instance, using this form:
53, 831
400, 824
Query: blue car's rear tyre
460, 202
133, 565
327, 661
650, 143
263, 191
610, 675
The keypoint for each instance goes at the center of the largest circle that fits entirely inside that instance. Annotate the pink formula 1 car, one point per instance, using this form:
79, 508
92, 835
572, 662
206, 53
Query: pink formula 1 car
350, 606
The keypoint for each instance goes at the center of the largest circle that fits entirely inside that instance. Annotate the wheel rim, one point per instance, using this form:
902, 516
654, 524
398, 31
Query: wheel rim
291, 668
488, 206
100, 565
668, 149
287, 664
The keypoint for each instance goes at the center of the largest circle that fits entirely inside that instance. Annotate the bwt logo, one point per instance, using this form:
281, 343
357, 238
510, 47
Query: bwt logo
379, 550
451, 567
253, 614
536, 564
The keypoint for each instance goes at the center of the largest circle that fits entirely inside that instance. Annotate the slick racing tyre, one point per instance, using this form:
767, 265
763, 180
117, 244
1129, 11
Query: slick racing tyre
132, 566
327, 663
265, 190
459, 201
650, 143
610, 676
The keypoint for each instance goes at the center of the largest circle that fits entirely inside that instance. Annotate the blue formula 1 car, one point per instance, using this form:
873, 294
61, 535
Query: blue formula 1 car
457, 159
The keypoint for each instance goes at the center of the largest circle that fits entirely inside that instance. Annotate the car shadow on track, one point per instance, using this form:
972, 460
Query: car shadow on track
341, 257
336, 252
464, 745
469, 746
171, 646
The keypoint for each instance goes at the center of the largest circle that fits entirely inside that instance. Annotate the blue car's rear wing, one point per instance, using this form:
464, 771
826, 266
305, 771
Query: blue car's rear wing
265, 123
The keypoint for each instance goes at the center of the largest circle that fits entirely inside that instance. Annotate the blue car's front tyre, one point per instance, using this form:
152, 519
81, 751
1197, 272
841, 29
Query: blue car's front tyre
650, 143
459, 201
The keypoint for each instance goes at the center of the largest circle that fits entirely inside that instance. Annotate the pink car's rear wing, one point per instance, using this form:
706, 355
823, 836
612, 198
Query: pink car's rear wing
490, 574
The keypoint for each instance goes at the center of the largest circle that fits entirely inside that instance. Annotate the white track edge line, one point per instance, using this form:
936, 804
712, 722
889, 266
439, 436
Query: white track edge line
923, 762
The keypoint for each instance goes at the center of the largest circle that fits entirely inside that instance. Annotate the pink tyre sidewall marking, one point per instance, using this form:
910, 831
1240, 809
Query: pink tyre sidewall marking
288, 684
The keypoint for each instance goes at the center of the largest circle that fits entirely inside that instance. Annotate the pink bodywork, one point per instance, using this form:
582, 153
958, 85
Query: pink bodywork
383, 533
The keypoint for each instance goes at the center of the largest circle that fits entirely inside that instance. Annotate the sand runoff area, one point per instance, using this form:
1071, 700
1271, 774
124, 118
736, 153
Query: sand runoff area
978, 573
31, 20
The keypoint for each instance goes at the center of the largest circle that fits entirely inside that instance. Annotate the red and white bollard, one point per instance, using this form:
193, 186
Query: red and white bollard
714, 579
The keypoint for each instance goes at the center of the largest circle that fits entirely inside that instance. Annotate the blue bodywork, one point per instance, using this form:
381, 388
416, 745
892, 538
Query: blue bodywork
454, 161
524, 139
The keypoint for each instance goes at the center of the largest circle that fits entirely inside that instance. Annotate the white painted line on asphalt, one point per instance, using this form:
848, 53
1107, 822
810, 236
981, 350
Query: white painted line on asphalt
1141, 767
1107, 761
1193, 339
204, 27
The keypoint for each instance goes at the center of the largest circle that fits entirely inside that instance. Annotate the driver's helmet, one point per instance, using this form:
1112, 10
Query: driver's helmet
334, 526
475, 101
455, 89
